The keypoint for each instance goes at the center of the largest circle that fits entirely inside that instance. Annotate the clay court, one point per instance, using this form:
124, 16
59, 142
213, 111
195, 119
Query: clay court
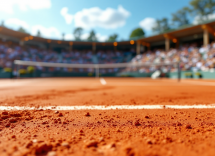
111, 116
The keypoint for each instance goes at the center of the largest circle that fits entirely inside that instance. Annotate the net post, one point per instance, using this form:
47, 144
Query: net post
12, 70
97, 71
17, 71
179, 71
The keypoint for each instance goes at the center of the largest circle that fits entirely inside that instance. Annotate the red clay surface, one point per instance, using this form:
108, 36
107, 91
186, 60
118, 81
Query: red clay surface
112, 132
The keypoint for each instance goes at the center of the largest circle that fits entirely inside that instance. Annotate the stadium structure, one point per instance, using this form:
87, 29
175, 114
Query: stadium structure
43, 113
28, 49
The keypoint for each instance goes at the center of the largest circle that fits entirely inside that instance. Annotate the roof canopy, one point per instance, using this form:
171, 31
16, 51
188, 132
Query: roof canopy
146, 41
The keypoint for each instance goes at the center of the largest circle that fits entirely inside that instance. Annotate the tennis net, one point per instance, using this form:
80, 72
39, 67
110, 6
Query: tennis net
153, 70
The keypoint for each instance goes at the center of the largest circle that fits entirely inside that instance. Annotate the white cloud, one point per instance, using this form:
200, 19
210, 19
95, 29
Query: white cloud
50, 32
198, 19
69, 37
16, 23
147, 23
8, 5
46, 32
68, 18
85, 36
101, 38
95, 17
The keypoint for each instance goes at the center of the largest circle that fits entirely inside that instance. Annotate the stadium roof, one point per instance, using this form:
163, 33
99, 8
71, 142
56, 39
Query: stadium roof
27, 37
179, 33
175, 34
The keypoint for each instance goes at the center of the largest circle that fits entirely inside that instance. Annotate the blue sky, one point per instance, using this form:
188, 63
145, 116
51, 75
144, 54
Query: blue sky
54, 17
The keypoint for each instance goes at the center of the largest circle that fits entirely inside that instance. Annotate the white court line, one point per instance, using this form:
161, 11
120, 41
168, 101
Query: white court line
129, 107
13, 83
103, 82
199, 83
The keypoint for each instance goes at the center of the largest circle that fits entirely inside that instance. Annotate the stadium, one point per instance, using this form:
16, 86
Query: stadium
148, 95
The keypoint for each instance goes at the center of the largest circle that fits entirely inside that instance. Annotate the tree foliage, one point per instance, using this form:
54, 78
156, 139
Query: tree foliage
77, 33
2, 23
112, 38
201, 10
181, 17
161, 26
92, 36
63, 36
138, 32
202, 7
39, 33
21, 29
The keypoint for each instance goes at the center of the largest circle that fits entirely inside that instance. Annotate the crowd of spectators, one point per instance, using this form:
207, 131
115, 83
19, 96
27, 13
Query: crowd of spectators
11, 52
191, 57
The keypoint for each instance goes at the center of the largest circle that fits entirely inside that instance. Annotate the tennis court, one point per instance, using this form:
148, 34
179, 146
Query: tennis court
107, 116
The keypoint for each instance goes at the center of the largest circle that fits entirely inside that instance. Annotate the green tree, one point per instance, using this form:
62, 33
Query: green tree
77, 33
39, 33
92, 36
202, 8
63, 36
2, 23
161, 26
21, 29
181, 17
112, 38
138, 32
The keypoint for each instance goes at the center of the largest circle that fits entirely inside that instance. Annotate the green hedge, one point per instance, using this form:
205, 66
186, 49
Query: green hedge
194, 75
184, 74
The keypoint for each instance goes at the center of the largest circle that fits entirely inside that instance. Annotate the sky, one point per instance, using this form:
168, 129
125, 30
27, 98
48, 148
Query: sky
105, 17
